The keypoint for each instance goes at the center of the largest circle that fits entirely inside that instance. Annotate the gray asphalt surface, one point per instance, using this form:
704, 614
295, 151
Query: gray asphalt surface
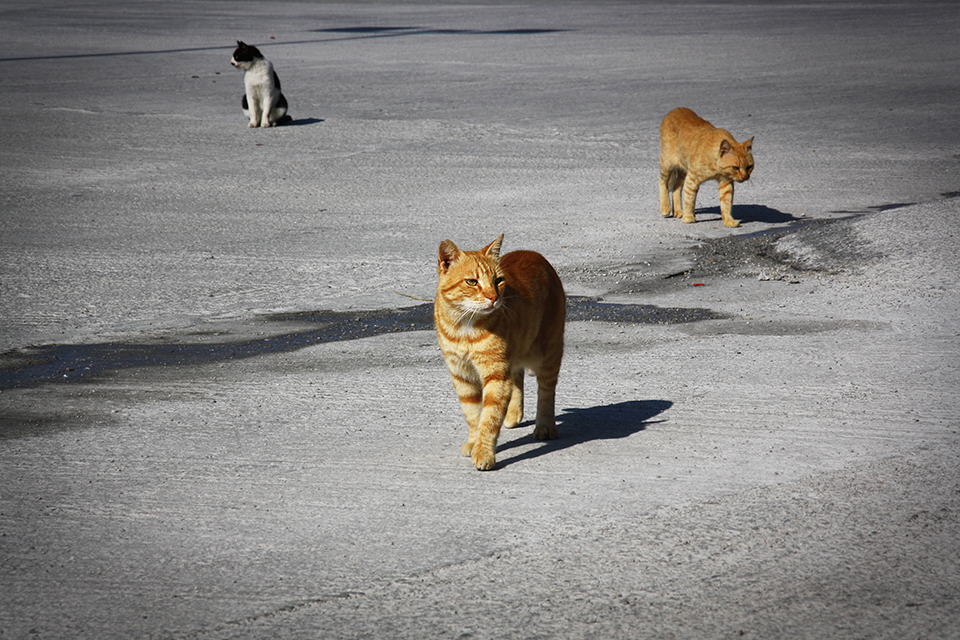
223, 413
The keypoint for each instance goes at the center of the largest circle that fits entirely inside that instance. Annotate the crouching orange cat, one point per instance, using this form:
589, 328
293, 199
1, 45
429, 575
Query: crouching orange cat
496, 317
693, 151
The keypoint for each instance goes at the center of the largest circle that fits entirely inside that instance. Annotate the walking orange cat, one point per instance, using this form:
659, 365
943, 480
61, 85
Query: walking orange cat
693, 151
495, 317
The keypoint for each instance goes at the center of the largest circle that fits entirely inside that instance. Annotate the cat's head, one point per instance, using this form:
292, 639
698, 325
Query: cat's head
245, 55
736, 159
471, 281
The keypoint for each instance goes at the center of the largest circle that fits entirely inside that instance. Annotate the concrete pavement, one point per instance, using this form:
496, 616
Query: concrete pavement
223, 413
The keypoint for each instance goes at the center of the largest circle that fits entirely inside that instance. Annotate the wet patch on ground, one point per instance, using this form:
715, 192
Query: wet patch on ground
274, 334
784, 253
777, 327
781, 253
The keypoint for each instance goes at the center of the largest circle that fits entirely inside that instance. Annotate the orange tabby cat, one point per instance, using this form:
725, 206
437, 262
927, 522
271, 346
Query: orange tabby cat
495, 317
693, 151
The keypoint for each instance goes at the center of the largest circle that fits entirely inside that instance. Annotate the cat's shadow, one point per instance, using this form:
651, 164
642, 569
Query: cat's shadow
752, 213
299, 122
578, 426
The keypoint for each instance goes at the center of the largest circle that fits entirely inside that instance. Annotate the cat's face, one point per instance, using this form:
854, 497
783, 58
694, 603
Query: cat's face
471, 281
244, 56
736, 160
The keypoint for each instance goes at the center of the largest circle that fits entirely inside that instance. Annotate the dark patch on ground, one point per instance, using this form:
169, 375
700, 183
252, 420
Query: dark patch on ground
740, 255
816, 246
584, 309
274, 334
828, 246
388, 31
351, 325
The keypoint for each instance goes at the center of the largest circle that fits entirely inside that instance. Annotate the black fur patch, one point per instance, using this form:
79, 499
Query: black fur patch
245, 52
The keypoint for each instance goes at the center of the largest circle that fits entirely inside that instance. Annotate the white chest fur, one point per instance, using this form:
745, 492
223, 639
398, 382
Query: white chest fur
258, 79
262, 93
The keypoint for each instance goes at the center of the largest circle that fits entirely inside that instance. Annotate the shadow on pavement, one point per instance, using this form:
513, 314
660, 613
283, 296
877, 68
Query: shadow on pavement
299, 122
381, 32
753, 213
579, 426
60, 363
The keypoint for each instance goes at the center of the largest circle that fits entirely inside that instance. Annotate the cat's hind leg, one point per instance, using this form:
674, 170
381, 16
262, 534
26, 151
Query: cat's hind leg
279, 113
547, 375
668, 179
515, 408
676, 192
690, 189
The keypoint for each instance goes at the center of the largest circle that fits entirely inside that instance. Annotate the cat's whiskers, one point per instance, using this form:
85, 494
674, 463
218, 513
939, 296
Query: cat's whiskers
469, 317
465, 313
509, 314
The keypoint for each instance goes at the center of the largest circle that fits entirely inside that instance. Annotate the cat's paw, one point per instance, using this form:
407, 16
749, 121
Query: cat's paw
545, 432
731, 223
467, 448
688, 219
484, 461
512, 421
253, 124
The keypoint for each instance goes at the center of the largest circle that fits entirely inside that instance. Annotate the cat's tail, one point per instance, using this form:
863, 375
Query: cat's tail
284, 119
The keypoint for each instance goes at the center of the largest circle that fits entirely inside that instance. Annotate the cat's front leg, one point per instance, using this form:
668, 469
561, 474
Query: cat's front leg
496, 398
250, 104
470, 395
726, 204
254, 118
265, 115
515, 408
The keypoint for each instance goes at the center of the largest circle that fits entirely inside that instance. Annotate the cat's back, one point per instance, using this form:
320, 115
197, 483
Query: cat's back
682, 118
535, 280
683, 127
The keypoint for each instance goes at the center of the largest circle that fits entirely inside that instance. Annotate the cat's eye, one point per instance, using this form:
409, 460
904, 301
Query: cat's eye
750, 168
471, 282
498, 281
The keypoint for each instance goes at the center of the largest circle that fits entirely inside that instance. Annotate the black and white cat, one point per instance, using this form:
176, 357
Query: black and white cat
262, 103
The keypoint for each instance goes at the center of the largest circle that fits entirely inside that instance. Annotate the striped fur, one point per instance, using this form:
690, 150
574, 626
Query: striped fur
496, 317
693, 151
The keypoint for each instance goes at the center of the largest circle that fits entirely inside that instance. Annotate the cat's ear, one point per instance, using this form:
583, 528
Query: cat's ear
240, 43
725, 147
748, 145
493, 249
448, 255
